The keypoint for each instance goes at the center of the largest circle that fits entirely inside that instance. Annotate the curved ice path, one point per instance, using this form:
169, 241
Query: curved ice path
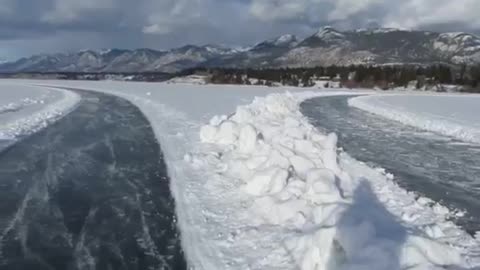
440, 168
88, 192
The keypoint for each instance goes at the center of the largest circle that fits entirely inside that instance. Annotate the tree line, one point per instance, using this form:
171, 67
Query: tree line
91, 76
355, 76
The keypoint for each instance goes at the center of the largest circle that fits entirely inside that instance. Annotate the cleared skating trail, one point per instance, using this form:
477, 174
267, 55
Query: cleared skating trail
88, 192
437, 167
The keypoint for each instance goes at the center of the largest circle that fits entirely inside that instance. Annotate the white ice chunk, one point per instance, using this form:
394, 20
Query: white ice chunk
266, 181
247, 140
208, 134
227, 133
301, 165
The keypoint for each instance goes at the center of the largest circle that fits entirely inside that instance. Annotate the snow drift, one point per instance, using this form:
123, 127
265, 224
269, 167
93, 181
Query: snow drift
451, 115
291, 179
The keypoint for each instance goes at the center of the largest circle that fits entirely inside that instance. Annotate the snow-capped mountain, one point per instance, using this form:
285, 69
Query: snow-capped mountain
382, 46
116, 60
285, 41
326, 36
260, 55
460, 47
328, 46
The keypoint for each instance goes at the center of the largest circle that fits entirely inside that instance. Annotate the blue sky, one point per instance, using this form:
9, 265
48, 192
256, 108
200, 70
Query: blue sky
45, 26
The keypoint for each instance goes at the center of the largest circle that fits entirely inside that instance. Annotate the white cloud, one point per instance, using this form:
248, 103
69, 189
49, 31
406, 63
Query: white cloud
6, 7
417, 13
158, 28
272, 10
345, 8
311, 10
167, 15
70, 10
391, 13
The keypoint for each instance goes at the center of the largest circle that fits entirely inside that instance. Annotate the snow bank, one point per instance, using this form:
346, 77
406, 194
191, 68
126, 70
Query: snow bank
451, 115
27, 109
288, 175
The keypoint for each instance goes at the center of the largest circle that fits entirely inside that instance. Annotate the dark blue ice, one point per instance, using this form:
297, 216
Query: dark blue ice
90, 191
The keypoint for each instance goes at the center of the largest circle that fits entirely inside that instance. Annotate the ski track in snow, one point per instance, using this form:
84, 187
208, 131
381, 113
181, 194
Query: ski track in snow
262, 188
448, 114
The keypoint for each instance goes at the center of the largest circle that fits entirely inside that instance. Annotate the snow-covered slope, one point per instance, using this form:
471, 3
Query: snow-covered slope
260, 188
26, 109
452, 115
461, 47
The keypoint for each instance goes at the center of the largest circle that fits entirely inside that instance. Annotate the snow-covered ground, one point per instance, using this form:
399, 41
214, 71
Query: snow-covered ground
257, 187
452, 115
26, 109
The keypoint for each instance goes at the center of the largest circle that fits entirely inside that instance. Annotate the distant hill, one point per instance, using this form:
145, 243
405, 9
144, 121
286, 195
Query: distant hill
326, 47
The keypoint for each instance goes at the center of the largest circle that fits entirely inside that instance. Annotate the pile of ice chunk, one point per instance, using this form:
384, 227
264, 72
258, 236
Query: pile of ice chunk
291, 172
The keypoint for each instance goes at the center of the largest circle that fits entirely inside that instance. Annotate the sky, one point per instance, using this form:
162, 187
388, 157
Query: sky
46, 26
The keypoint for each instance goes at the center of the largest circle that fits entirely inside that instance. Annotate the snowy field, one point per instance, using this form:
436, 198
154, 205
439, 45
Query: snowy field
25, 109
258, 187
451, 115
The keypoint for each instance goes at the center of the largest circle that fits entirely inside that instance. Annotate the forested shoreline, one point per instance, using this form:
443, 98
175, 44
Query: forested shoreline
355, 76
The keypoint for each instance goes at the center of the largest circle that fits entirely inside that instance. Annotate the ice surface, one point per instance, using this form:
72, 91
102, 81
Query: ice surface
25, 109
96, 178
258, 187
451, 115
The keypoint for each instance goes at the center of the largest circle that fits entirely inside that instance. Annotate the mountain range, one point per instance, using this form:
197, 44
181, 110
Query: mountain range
326, 47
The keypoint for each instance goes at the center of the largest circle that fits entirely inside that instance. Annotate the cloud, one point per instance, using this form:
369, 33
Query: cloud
308, 10
389, 13
346, 8
6, 7
173, 14
273, 10
158, 28
420, 13
65, 11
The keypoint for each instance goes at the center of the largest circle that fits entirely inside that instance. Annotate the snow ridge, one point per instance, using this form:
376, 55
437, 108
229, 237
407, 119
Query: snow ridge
283, 40
290, 188
329, 33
